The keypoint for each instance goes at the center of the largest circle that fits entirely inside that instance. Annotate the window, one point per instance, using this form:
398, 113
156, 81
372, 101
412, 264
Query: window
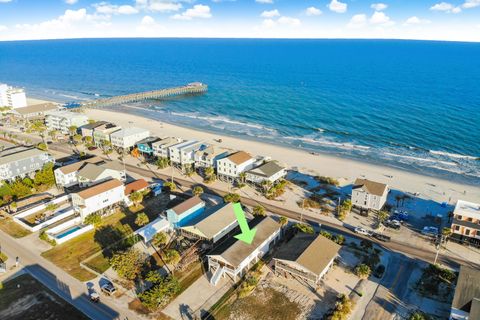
467, 232
459, 217
457, 228
470, 219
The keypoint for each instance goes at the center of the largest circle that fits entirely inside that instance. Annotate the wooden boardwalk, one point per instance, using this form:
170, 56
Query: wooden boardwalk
191, 88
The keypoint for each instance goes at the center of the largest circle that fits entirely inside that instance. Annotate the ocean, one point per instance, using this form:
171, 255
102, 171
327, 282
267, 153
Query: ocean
413, 105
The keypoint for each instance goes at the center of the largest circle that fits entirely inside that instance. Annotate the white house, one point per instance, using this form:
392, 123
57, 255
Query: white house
208, 156
12, 97
67, 176
466, 300
219, 221
22, 161
466, 221
98, 197
367, 194
93, 173
269, 171
181, 154
126, 138
236, 259
63, 120
231, 166
306, 256
87, 129
102, 133
161, 147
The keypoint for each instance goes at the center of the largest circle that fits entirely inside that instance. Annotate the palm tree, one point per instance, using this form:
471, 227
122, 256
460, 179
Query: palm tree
197, 191
209, 171
446, 233
283, 221
136, 197
142, 219
382, 216
72, 130
259, 211
266, 185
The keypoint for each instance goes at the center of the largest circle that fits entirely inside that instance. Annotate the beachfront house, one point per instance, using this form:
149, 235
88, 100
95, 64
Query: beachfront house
369, 195
306, 256
87, 129
12, 97
97, 198
67, 176
234, 257
230, 167
186, 211
126, 138
161, 147
102, 133
62, 120
182, 154
20, 161
35, 112
145, 145
466, 222
466, 300
91, 173
208, 155
213, 225
270, 171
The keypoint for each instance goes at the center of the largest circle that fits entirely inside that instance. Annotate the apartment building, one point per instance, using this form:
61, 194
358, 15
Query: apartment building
230, 167
98, 197
22, 161
208, 156
63, 120
466, 222
161, 147
102, 133
12, 97
127, 138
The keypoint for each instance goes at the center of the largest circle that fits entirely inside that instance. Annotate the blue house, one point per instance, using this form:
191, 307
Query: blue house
145, 145
186, 211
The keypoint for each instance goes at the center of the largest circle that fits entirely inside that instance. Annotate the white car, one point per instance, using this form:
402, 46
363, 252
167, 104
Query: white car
361, 230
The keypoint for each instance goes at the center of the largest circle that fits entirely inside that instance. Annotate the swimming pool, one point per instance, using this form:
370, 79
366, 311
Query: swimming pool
67, 232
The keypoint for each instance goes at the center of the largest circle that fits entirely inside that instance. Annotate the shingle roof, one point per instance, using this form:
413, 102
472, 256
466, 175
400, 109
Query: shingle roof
239, 157
43, 107
314, 253
125, 132
267, 169
91, 171
468, 288
186, 205
99, 188
239, 250
77, 165
218, 218
371, 187
93, 125
18, 154
167, 142
136, 185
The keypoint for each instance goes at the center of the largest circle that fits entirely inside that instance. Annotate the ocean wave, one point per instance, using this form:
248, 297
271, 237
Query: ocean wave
453, 155
420, 159
328, 143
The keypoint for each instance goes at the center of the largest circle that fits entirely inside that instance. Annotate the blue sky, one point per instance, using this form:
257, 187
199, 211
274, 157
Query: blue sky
457, 20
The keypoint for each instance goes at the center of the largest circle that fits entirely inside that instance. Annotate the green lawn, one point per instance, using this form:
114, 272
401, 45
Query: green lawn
25, 298
8, 226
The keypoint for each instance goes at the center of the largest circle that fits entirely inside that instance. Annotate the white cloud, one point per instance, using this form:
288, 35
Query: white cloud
416, 21
147, 21
379, 17
264, 1
5, 1
358, 21
312, 11
448, 7
198, 11
107, 8
379, 6
268, 23
289, 21
66, 1
471, 4
337, 6
456, 10
158, 5
3, 28
270, 14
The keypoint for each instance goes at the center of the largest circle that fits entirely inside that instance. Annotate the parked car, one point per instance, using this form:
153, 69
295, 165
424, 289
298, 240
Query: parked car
393, 224
430, 231
381, 237
400, 215
108, 289
91, 148
361, 230
379, 271
94, 296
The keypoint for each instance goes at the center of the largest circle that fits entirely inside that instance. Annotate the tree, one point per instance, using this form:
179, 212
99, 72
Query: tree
231, 197
172, 256
136, 197
77, 138
94, 219
266, 185
344, 209
160, 239
418, 315
197, 191
283, 221
160, 293
259, 210
72, 130
242, 176
305, 228
42, 146
127, 264
382, 216
88, 140
209, 171
170, 185
142, 219
162, 162
45, 176
363, 271
19, 190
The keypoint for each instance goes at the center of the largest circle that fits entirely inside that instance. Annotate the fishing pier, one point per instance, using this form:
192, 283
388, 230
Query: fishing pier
191, 88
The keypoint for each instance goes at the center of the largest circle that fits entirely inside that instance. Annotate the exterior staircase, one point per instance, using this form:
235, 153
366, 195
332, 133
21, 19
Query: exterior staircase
217, 276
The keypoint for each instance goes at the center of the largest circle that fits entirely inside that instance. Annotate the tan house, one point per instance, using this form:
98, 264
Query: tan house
370, 195
230, 167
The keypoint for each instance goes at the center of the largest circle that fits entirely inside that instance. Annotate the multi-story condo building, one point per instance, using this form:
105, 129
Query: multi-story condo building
145, 146
229, 168
87, 129
12, 97
208, 156
161, 147
126, 138
63, 120
269, 171
175, 151
369, 195
22, 161
102, 133
98, 197
466, 222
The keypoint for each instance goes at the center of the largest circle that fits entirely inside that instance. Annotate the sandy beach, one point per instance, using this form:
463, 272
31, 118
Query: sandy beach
345, 170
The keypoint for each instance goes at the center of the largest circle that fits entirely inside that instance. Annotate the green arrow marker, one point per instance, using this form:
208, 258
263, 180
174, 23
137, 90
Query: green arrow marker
247, 234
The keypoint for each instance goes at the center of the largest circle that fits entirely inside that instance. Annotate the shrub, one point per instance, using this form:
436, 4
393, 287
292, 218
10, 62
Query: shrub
171, 186
141, 219
197, 191
303, 227
160, 239
327, 180
259, 211
127, 264
231, 197
94, 219
363, 271
43, 236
